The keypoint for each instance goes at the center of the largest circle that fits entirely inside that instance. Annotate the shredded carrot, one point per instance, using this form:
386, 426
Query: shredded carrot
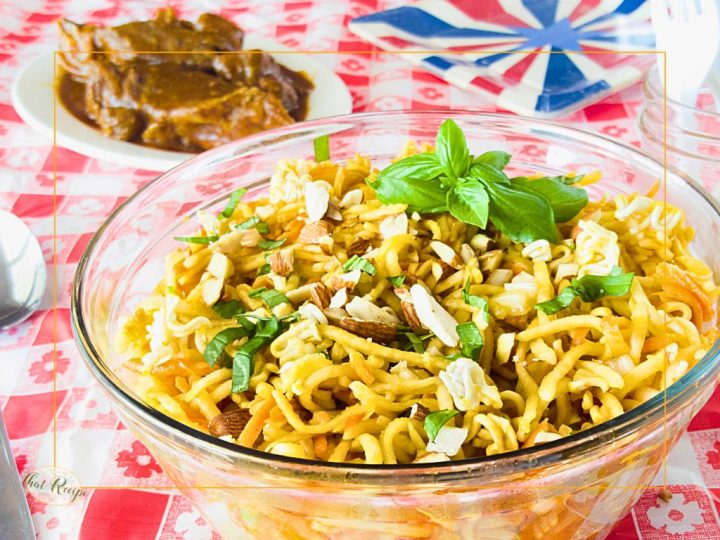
254, 426
578, 335
321, 447
679, 285
655, 343
293, 230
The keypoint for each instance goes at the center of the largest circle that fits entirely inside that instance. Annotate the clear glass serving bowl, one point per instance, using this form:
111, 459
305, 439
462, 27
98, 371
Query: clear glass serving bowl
577, 487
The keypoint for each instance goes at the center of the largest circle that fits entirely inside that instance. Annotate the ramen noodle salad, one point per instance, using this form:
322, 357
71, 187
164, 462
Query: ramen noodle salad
430, 311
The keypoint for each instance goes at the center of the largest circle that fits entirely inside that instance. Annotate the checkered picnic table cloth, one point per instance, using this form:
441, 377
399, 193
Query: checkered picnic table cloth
91, 440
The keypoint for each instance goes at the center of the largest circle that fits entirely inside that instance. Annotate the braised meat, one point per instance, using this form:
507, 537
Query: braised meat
176, 85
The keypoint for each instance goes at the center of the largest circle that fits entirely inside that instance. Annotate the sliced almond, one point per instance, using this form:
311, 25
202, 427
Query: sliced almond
418, 412
312, 313
317, 199
211, 290
333, 212
335, 314
320, 295
394, 226
379, 332
433, 316
250, 238
315, 232
345, 281
234, 240
358, 247
351, 198
281, 262
339, 299
480, 242
365, 310
467, 253
448, 441
491, 260
220, 266
446, 254
403, 294
411, 317
229, 423
499, 276
432, 457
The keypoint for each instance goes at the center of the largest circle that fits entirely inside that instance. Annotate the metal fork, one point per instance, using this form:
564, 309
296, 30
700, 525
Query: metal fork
690, 35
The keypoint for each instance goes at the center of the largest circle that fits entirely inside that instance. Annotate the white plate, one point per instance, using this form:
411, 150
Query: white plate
33, 97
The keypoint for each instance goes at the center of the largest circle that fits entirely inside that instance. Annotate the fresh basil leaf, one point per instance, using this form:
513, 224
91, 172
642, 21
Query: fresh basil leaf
497, 159
471, 340
488, 173
567, 180
233, 201
468, 201
451, 149
561, 301
264, 269
566, 201
271, 244
268, 328
355, 263
415, 342
413, 181
521, 215
436, 420
273, 298
396, 281
243, 368
229, 309
475, 301
197, 239
322, 148
215, 350
590, 288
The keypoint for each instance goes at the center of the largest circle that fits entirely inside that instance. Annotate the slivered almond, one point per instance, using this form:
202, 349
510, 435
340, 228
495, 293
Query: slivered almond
211, 290
365, 310
411, 317
320, 295
229, 423
491, 260
250, 238
314, 232
220, 266
358, 247
467, 253
446, 253
281, 262
394, 225
345, 281
418, 412
382, 333
433, 316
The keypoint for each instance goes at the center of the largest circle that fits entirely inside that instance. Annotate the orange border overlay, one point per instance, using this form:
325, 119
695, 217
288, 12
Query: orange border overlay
404, 52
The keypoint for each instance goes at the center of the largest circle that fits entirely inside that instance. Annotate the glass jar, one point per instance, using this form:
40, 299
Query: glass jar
693, 133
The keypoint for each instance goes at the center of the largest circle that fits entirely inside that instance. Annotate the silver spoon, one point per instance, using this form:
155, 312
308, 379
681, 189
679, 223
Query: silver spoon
22, 284
22, 271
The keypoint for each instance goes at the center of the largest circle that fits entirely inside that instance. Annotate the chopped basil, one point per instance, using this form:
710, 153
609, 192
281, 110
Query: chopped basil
197, 239
215, 350
264, 269
233, 201
471, 340
271, 244
358, 263
589, 289
273, 298
322, 148
229, 309
254, 221
254, 293
475, 301
436, 420
396, 281
415, 342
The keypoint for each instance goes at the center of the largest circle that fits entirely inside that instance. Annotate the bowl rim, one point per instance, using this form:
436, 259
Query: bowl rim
706, 370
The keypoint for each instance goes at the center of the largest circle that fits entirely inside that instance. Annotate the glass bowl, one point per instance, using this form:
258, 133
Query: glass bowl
578, 486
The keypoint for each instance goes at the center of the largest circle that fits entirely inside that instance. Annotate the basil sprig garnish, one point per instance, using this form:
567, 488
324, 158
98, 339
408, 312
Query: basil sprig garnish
436, 420
589, 289
475, 190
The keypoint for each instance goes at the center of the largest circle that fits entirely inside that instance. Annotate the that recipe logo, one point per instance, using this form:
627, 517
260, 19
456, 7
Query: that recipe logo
53, 485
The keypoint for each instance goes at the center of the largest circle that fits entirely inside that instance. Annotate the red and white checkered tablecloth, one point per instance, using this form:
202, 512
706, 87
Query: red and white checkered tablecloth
91, 441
